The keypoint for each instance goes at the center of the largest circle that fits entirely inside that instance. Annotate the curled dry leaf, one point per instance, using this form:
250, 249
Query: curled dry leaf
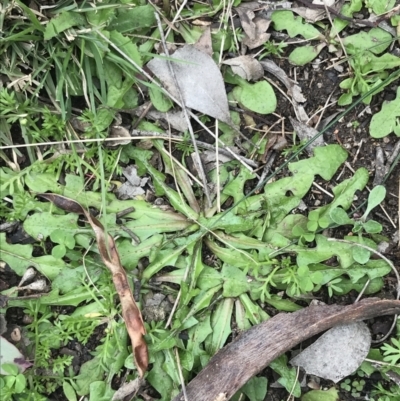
315, 15
109, 254
246, 67
231, 367
253, 27
121, 135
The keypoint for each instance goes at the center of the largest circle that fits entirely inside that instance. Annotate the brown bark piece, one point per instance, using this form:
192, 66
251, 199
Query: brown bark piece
237, 362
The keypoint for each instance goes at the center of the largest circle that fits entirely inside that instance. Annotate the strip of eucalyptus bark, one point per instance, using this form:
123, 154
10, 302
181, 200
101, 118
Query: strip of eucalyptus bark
256, 348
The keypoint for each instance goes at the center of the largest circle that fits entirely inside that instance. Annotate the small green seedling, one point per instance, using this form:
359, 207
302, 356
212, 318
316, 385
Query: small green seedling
339, 216
64, 240
391, 353
272, 48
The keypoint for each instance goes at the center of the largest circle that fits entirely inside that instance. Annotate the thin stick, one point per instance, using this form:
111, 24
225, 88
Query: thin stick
322, 189
217, 170
178, 361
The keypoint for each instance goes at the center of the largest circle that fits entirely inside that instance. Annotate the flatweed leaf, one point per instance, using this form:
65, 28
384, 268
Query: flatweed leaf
321, 395
42, 225
285, 305
186, 359
126, 45
235, 281
344, 195
100, 17
63, 21
19, 258
159, 100
324, 250
381, 6
221, 326
371, 63
231, 256
325, 162
136, 18
305, 54
99, 391
258, 97
159, 379
72, 298
69, 391
91, 371
199, 332
375, 197
376, 40
346, 285
288, 375
387, 120
285, 20
241, 320
255, 389
254, 312
347, 10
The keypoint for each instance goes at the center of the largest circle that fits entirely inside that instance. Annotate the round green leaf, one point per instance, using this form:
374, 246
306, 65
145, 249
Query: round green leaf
372, 227
339, 216
361, 255
258, 97
305, 54
20, 383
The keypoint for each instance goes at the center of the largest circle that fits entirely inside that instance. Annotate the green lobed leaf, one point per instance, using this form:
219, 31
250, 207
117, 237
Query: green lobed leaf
286, 20
235, 281
376, 40
255, 389
63, 21
133, 19
387, 119
221, 326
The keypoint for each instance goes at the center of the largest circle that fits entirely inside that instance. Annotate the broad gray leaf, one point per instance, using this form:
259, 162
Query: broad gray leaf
337, 353
200, 81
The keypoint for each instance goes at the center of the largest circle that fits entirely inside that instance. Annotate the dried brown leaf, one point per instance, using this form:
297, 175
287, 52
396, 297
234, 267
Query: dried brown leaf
109, 254
254, 28
246, 67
